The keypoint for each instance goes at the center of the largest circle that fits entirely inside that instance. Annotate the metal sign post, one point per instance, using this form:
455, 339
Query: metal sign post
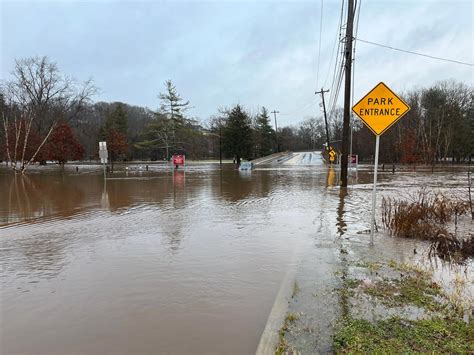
103, 154
374, 190
379, 110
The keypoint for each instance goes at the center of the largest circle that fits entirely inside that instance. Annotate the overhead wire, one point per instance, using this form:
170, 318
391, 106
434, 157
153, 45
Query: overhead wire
338, 64
338, 67
311, 102
358, 5
415, 53
338, 48
353, 65
338, 73
336, 43
300, 110
319, 45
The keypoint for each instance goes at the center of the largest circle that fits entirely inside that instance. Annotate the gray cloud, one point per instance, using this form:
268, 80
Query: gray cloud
221, 53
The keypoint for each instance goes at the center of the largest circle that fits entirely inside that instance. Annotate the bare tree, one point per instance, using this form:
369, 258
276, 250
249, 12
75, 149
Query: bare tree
35, 100
313, 129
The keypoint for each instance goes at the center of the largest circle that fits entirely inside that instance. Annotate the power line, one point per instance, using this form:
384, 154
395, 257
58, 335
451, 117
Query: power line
336, 82
358, 5
338, 68
320, 33
415, 53
336, 42
302, 109
336, 87
339, 51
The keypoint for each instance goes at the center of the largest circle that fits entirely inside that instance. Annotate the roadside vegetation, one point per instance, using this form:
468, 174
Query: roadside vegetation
432, 216
283, 346
425, 318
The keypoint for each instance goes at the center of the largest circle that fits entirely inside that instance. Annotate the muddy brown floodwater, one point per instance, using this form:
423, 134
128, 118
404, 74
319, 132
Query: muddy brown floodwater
161, 261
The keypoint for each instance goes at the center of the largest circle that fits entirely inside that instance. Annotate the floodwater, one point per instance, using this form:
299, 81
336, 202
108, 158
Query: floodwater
184, 261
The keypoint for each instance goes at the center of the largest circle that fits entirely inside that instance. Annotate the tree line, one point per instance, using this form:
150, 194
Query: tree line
47, 116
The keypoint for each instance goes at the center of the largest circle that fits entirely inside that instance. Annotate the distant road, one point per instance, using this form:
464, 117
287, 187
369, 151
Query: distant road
287, 158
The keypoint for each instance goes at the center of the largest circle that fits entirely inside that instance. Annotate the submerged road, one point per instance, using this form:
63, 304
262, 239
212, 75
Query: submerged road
311, 158
176, 261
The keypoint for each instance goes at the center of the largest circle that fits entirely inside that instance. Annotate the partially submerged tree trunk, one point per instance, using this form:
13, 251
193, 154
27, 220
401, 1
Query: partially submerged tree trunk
22, 129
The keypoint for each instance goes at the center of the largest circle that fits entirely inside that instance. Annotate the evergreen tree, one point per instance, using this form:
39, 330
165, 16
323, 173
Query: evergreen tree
173, 106
114, 132
169, 129
116, 119
264, 134
120, 119
237, 134
159, 135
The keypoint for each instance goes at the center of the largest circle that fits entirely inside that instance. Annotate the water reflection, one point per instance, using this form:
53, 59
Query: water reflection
179, 178
166, 251
151, 256
331, 177
63, 195
241, 185
104, 200
37, 196
341, 223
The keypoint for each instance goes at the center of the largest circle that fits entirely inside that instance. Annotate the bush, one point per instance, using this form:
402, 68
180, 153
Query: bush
426, 215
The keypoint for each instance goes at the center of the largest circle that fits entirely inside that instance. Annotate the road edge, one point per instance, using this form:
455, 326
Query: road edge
270, 336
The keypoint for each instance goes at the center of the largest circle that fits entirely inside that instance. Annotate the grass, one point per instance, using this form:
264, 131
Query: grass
409, 268
372, 266
418, 291
396, 335
442, 332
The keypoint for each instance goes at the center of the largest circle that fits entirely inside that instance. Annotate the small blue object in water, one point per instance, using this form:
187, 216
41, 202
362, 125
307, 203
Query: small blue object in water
246, 166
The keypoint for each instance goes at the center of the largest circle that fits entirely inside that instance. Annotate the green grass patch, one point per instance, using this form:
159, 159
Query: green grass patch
419, 291
409, 268
372, 266
396, 335
443, 331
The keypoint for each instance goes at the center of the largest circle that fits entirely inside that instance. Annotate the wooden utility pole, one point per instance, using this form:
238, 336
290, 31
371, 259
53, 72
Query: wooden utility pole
325, 117
276, 130
347, 92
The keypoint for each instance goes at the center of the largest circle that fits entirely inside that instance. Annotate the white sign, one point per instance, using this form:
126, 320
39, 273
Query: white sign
103, 154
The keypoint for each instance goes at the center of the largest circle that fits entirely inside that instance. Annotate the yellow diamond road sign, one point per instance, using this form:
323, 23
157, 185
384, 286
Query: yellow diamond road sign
380, 109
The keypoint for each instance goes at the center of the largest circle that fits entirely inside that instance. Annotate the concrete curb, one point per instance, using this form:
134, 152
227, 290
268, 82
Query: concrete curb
270, 336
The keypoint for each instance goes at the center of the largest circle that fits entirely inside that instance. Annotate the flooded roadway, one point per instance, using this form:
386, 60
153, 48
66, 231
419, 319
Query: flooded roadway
163, 261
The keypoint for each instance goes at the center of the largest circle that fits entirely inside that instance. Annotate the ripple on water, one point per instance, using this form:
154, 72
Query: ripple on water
155, 257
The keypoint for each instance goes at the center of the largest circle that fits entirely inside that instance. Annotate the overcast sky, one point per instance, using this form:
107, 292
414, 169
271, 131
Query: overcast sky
219, 53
